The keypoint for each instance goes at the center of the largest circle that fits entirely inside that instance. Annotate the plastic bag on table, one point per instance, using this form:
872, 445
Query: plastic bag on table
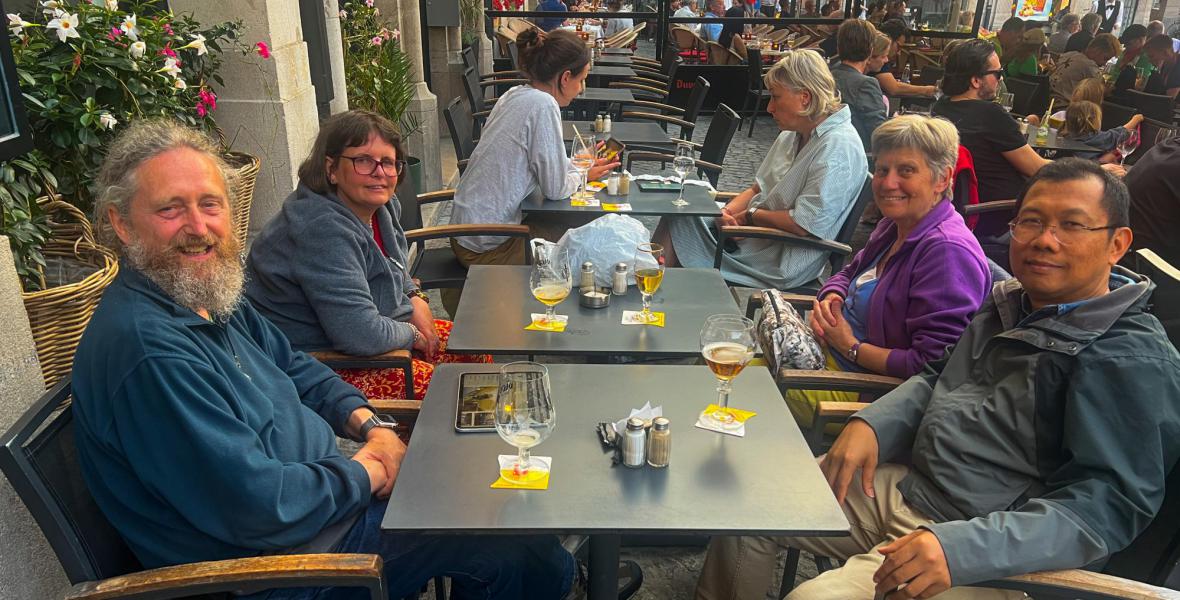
605, 241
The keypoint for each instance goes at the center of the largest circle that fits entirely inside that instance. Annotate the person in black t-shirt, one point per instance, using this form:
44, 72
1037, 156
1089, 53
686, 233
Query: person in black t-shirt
1160, 52
1155, 200
1003, 158
1078, 41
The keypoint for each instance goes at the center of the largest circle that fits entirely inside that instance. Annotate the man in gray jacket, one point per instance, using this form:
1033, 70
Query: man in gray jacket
1042, 440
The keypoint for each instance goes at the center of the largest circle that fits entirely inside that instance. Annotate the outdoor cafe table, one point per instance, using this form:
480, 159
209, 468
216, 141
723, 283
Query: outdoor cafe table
614, 61
766, 483
644, 133
600, 74
701, 203
1056, 146
591, 100
497, 303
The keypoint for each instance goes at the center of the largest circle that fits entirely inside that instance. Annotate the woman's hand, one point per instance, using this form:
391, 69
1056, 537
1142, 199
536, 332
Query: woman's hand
423, 320
602, 166
1134, 122
825, 309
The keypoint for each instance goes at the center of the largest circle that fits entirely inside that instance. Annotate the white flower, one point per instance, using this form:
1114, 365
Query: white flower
51, 7
129, 27
136, 49
66, 26
17, 25
171, 67
179, 84
343, 14
198, 44
107, 120
112, 4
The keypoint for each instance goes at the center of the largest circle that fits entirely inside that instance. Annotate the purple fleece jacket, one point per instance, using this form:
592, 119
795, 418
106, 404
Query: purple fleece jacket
928, 291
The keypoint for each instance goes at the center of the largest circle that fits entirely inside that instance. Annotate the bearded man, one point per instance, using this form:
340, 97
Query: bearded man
203, 436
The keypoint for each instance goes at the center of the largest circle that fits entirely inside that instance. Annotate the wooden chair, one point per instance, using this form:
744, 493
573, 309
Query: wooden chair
39, 458
712, 150
720, 55
837, 248
756, 92
1152, 106
687, 40
625, 41
738, 46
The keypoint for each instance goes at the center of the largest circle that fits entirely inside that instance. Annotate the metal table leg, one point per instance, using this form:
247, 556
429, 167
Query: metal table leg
604, 567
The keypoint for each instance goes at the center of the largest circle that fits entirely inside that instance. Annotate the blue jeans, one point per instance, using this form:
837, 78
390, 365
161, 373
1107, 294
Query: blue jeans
480, 566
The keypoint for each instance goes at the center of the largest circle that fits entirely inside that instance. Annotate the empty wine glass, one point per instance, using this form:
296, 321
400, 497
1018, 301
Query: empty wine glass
727, 343
1128, 145
683, 164
1164, 134
1006, 100
550, 278
582, 160
525, 415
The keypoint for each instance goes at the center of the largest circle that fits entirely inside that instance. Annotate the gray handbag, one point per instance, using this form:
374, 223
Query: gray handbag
785, 338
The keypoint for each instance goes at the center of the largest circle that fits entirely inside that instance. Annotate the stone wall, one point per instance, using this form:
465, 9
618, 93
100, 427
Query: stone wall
28, 568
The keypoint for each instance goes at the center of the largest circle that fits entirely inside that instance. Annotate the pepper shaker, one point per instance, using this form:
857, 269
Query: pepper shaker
619, 282
659, 446
634, 444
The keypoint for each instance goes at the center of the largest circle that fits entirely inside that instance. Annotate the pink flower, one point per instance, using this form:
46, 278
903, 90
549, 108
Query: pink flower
263, 50
115, 32
395, 35
208, 98
377, 40
167, 51
201, 109
369, 3
168, 29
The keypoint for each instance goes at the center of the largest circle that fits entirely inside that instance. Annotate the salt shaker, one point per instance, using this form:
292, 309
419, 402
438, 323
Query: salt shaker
599, 123
586, 282
606, 124
659, 446
619, 283
634, 443
612, 184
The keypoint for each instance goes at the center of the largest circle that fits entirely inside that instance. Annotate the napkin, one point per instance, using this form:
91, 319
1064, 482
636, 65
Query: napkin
584, 202
619, 207
739, 415
537, 479
646, 413
632, 317
661, 179
556, 324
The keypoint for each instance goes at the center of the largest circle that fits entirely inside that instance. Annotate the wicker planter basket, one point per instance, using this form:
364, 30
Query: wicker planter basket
243, 193
60, 314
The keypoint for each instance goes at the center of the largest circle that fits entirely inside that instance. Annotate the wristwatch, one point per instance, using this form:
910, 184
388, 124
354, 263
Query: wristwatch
750, 213
377, 421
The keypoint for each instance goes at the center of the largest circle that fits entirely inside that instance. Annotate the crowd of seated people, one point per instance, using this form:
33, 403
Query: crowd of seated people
946, 482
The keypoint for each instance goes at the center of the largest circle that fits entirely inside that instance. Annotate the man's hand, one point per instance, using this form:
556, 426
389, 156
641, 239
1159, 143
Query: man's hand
856, 448
1115, 169
915, 560
387, 450
423, 320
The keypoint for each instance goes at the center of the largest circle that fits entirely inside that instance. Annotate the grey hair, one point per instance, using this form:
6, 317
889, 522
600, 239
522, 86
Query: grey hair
1069, 20
936, 138
801, 70
143, 140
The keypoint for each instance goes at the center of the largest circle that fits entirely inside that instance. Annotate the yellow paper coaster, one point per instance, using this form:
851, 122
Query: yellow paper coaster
577, 202
739, 415
596, 186
557, 325
617, 207
633, 317
534, 479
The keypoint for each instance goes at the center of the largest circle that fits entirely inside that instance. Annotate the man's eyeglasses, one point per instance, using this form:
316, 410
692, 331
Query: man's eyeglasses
1066, 233
364, 165
999, 73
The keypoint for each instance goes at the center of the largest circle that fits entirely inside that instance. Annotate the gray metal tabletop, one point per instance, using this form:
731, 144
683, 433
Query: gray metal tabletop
700, 203
497, 302
766, 483
608, 71
628, 132
1056, 146
597, 94
614, 60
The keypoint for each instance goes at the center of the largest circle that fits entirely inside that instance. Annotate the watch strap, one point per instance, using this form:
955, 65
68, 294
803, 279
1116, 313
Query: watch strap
375, 421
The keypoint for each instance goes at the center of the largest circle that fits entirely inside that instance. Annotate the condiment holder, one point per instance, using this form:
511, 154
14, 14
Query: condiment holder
595, 297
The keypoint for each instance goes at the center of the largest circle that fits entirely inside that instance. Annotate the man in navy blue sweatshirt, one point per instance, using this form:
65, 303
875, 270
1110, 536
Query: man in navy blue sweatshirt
204, 436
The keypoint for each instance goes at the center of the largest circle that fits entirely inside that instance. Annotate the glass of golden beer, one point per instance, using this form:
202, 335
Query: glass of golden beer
649, 273
550, 278
727, 343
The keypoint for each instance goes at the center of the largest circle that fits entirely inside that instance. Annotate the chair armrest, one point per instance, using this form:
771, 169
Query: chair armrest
642, 79
838, 410
986, 207
800, 302
252, 574
483, 114
446, 231
727, 195
837, 381
339, 360
770, 233
623, 85
1086, 584
501, 74
483, 84
437, 195
657, 117
650, 74
667, 108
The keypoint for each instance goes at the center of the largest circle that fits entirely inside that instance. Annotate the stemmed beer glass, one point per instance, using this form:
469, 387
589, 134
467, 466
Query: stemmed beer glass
582, 161
525, 415
727, 343
649, 273
550, 278
683, 164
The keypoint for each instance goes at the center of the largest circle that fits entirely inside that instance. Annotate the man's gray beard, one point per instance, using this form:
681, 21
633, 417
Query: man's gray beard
215, 285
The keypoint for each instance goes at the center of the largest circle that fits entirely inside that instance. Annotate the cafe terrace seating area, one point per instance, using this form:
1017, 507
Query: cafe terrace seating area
682, 349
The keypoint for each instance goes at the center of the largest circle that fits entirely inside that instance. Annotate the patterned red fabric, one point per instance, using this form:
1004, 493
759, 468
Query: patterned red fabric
390, 383
966, 166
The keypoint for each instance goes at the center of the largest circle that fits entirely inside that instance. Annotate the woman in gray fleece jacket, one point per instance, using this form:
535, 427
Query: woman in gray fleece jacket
330, 270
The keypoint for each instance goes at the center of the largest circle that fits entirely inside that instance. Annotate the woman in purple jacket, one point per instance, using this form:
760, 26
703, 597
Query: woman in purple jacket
912, 290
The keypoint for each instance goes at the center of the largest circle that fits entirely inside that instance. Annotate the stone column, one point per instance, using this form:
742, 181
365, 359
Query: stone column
339, 102
28, 568
266, 107
423, 143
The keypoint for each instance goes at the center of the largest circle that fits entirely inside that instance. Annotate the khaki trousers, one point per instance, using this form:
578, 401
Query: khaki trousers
743, 567
511, 252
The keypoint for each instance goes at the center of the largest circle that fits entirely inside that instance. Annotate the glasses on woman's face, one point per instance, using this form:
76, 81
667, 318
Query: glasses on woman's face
367, 165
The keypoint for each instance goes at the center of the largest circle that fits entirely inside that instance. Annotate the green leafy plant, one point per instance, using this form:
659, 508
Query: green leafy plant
471, 17
85, 70
379, 72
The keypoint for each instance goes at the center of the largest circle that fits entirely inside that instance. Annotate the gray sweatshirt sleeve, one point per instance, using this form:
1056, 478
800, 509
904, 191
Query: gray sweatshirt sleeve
870, 100
547, 157
1119, 440
331, 274
895, 416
